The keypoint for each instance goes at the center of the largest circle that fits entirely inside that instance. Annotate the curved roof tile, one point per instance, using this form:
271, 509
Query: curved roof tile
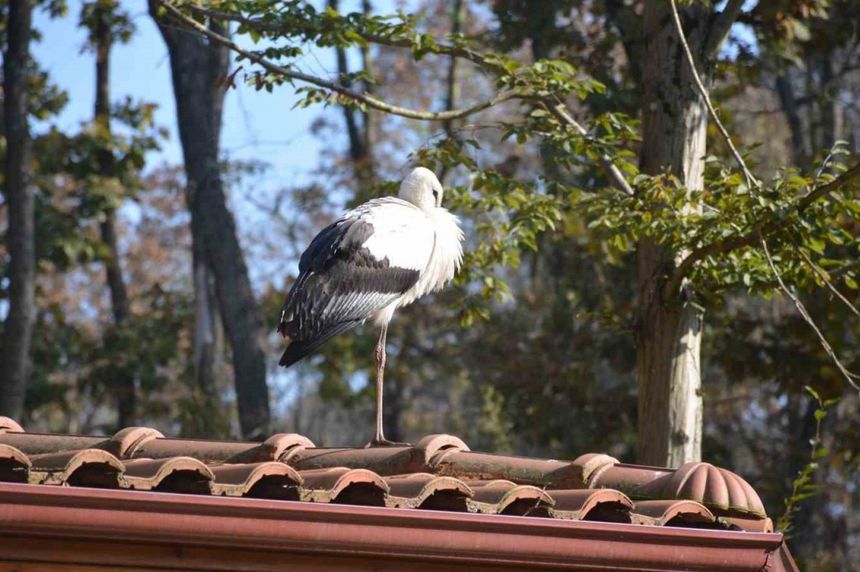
345, 485
87, 467
270, 479
174, 474
7, 424
672, 512
592, 504
14, 464
712, 486
423, 490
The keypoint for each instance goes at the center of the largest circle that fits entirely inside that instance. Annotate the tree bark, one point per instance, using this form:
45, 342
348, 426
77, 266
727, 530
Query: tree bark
102, 36
206, 347
669, 328
18, 328
367, 65
196, 66
830, 116
360, 139
452, 85
788, 103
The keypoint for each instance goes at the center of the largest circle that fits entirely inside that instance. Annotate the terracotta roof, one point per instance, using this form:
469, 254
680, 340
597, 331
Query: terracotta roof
437, 473
138, 498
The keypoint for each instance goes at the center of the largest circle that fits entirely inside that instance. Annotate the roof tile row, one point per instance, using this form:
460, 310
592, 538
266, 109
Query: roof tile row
437, 473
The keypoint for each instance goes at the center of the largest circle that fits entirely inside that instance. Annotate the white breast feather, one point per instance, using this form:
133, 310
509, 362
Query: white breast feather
445, 259
410, 238
402, 233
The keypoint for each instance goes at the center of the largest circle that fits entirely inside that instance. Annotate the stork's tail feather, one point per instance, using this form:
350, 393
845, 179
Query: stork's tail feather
282, 323
299, 349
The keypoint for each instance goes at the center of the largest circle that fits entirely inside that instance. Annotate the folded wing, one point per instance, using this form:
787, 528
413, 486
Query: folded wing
352, 269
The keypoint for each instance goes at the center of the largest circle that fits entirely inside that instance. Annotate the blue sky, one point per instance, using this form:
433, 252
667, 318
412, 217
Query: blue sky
257, 125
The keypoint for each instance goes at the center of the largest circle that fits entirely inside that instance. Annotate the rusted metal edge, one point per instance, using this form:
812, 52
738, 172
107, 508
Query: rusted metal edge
285, 527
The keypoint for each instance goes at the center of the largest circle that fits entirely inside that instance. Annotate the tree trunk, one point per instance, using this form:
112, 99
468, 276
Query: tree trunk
788, 103
103, 39
360, 138
830, 114
367, 66
452, 85
669, 328
196, 67
20, 238
206, 347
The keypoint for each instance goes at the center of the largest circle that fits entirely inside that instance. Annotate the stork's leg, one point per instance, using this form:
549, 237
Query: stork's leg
379, 439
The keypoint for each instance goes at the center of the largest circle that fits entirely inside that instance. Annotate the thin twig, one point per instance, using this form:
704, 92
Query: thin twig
849, 377
824, 164
367, 100
559, 110
821, 274
847, 267
833, 186
751, 180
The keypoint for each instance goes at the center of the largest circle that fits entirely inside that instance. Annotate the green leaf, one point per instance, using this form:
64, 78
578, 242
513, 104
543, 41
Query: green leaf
812, 392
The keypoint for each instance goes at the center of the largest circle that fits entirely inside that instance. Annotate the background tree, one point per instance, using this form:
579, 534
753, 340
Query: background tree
21, 240
106, 23
199, 70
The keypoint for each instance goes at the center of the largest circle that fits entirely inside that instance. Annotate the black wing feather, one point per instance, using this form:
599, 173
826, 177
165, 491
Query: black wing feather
300, 349
340, 285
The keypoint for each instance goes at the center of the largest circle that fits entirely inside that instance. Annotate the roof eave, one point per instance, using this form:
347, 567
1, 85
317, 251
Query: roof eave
238, 527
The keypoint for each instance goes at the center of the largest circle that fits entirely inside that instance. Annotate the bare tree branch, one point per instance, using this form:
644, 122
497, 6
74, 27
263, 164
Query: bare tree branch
365, 99
834, 185
721, 26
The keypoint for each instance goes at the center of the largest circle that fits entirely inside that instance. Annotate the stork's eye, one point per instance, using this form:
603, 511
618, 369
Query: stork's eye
436, 195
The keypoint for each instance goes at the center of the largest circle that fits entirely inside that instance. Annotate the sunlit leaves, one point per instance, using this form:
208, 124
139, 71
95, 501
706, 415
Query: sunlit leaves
684, 220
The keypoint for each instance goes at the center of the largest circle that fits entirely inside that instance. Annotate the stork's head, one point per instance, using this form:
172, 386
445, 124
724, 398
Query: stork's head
422, 189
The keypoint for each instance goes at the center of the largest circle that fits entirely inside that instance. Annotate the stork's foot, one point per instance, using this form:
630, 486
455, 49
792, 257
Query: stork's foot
385, 443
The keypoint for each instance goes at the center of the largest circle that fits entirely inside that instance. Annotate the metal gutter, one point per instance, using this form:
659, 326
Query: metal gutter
52, 525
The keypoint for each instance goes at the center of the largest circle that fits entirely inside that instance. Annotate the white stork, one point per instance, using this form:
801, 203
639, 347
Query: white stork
374, 259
